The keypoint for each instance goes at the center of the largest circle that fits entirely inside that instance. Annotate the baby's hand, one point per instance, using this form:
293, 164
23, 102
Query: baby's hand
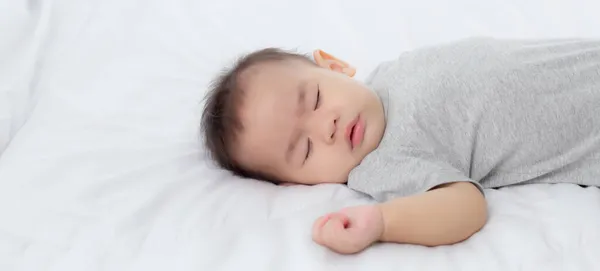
349, 230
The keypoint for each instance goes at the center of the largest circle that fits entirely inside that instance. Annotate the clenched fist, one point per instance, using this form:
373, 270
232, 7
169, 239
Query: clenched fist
349, 230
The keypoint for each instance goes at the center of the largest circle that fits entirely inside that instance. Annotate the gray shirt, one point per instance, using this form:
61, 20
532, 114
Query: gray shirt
491, 112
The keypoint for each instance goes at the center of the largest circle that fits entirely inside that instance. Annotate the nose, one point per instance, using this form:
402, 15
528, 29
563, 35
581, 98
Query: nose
323, 126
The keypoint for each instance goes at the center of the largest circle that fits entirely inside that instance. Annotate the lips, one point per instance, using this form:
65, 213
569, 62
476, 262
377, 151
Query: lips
355, 132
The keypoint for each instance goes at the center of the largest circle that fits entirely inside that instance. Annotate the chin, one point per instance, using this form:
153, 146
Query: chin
344, 180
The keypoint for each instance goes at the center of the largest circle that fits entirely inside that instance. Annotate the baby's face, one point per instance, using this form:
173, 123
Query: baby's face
306, 124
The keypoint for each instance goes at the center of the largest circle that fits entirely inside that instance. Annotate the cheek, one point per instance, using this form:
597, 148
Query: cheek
348, 97
332, 165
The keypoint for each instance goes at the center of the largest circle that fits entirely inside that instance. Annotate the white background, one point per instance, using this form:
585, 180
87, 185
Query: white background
104, 171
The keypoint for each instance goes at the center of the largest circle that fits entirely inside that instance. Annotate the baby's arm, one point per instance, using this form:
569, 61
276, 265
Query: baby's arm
445, 215
442, 216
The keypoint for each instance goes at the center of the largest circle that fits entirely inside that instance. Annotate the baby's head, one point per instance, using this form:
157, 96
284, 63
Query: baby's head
280, 117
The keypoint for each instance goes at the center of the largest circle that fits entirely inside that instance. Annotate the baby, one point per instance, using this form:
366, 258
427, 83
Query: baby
425, 134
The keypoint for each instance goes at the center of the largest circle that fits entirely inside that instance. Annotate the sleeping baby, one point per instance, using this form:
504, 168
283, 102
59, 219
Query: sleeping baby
423, 136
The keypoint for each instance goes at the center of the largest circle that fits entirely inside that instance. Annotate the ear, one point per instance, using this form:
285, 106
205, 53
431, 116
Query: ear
327, 61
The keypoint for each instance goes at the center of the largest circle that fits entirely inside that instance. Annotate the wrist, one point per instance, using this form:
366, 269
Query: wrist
383, 225
394, 221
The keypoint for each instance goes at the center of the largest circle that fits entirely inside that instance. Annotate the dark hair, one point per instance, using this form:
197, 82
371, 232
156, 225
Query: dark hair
221, 123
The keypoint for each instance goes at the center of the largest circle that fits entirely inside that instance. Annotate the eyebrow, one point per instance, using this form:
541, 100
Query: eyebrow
300, 102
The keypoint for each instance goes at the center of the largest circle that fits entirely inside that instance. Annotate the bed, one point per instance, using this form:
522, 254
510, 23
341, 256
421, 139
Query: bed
101, 166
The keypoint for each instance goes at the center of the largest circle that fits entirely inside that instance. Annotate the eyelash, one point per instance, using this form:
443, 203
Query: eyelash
318, 97
309, 148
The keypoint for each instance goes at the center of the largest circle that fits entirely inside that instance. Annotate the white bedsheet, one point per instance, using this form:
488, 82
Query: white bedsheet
107, 172
22, 33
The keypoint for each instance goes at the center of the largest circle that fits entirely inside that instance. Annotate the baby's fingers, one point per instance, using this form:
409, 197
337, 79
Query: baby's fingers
330, 221
317, 228
335, 234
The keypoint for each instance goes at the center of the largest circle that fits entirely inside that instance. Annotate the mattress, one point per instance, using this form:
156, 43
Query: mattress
101, 166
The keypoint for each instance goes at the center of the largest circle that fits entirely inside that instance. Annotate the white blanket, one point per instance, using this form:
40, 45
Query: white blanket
107, 172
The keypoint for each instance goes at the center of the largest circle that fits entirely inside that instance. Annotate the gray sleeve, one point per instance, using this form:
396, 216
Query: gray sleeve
385, 176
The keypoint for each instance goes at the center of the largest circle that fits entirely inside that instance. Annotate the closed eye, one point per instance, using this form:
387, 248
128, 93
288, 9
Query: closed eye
318, 101
308, 149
